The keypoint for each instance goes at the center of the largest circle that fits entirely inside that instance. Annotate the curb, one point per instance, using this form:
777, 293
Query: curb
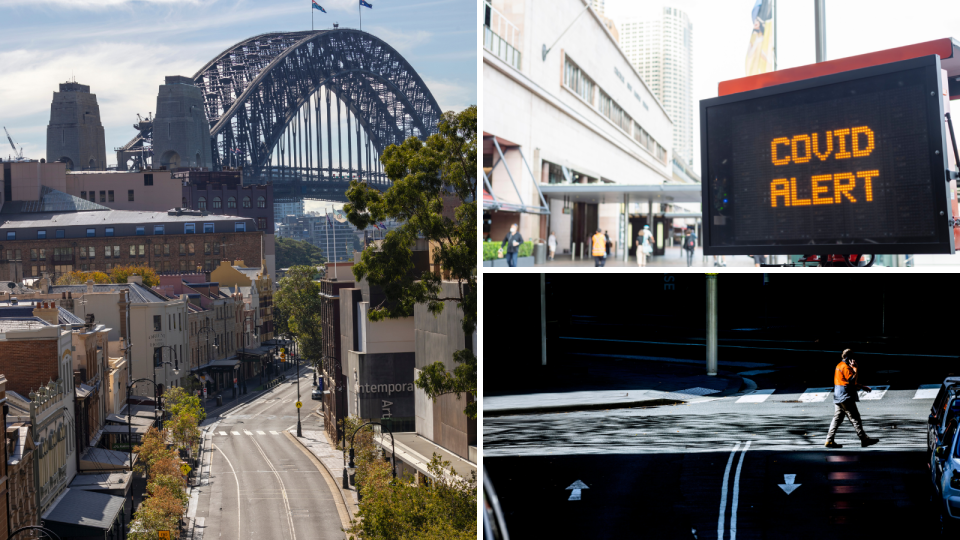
344, 511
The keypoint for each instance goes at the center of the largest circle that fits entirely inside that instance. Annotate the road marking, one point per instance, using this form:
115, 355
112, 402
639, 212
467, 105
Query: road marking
245, 432
878, 392
927, 391
789, 486
223, 432
757, 396
736, 493
235, 477
723, 491
274, 433
234, 432
814, 395
261, 433
576, 487
283, 490
757, 372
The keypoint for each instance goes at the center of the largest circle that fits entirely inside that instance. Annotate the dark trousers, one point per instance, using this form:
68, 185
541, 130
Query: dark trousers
849, 409
511, 258
689, 257
598, 261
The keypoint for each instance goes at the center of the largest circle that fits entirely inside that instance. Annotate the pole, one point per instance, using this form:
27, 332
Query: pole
820, 21
774, 35
543, 319
129, 431
360, 11
334, 242
299, 429
711, 324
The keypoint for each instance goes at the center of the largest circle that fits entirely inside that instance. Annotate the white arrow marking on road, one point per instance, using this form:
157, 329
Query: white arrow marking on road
878, 392
814, 395
789, 486
927, 391
576, 487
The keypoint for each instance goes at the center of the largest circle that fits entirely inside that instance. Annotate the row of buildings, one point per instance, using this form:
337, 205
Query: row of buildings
595, 132
369, 369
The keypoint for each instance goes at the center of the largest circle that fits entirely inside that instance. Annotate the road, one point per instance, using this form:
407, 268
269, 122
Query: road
260, 483
713, 468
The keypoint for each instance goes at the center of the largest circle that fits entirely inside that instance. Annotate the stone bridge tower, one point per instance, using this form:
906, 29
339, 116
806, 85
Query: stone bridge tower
181, 133
75, 134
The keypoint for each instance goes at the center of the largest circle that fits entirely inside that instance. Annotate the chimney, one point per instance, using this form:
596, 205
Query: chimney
89, 285
67, 302
135, 278
44, 283
47, 311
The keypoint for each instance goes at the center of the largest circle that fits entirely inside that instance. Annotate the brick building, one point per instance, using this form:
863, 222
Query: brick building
4, 475
334, 403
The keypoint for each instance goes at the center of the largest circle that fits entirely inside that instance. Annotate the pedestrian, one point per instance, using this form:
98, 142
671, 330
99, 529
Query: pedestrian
608, 245
721, 262
512, 241
689, 245
599, 248
644, 245
552, 244
759, 260
845, 387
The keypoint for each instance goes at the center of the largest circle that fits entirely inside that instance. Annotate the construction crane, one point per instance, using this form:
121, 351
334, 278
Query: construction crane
17, 156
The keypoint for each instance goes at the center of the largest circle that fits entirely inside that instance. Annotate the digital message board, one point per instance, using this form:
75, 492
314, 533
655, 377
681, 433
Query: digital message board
848, 163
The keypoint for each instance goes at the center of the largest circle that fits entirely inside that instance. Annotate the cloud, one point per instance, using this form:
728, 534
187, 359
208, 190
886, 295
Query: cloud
451, 95
94, 4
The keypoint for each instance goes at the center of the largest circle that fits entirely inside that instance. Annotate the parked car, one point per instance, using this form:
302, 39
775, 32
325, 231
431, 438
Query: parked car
494, 527
945, 473
316, 394
940, 414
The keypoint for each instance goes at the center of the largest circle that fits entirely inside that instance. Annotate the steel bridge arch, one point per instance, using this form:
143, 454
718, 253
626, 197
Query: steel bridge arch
254, 89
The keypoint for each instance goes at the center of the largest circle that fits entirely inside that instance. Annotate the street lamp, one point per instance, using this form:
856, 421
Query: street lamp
216, 344
393, 449
243, 346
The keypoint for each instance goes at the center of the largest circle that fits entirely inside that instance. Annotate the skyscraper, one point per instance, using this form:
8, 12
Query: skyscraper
662, 52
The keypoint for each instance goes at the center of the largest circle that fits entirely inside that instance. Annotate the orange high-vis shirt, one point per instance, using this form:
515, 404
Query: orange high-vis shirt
599, 245
844, 375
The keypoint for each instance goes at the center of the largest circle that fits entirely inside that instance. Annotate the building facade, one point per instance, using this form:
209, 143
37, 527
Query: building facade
151, 190
331, 364
661, 49
287, 208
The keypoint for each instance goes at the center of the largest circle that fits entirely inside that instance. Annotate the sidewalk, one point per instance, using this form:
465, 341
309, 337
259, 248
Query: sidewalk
210, 404
673, 256
331, 457
613, 384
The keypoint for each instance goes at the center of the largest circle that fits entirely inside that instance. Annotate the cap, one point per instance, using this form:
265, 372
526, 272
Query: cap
646, 226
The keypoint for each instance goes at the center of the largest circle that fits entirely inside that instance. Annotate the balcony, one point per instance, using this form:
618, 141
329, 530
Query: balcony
493, 40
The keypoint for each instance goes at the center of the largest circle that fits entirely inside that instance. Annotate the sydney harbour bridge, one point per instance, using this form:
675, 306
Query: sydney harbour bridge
307, 111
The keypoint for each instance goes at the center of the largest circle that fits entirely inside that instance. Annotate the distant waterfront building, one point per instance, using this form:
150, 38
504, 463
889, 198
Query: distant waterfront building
662, 51
288, 208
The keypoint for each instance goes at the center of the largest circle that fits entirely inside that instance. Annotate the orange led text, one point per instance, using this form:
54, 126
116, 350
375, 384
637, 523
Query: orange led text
851, 142
825, 189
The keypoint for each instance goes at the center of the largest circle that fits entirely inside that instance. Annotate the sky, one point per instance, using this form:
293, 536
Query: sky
123, 49
721, 33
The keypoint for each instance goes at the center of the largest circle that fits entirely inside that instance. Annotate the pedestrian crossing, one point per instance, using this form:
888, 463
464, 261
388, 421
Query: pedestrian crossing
245, 433
816, 395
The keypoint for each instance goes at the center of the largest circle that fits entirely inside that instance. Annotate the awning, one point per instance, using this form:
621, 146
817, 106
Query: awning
101, 459
224, 364
495, 202
415, 450
115, 483
614, 193
81, 513
117, 429
121, 419
251, 354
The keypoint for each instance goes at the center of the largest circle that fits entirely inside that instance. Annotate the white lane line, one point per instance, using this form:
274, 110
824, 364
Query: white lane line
261, 433
237, 478
223, 432
927, 391
878, 392
736, 493
274, 433
245, 432
814, 395
723, 492
234, 432
757, 396
283, 490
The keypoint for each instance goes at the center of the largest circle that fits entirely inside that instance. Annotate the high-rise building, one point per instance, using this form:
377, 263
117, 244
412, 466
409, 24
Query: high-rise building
75, 134
287, 208
662, 52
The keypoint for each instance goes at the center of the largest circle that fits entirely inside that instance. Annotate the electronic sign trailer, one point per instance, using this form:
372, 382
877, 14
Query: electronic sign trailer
847, 163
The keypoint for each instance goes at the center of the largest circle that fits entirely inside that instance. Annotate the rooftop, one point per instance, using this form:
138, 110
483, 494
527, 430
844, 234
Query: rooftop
138, 293
66, 218
22, 323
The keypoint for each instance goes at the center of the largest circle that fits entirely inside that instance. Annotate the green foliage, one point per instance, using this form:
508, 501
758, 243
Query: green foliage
177, 400
490, 250
297, 253
78, 277
297, 308
425, 176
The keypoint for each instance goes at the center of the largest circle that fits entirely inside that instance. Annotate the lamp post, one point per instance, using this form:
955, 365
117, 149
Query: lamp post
216, 344
243, 346
294, 349
393, 448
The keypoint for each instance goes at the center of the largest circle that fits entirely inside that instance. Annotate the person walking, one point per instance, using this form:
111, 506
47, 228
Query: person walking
689, 245
599, 248
552, 244
608, 245
759, 260
845, 387
644, 245
512, 241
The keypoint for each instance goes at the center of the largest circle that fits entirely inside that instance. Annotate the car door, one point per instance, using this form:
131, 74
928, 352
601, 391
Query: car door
940, 462
939, 416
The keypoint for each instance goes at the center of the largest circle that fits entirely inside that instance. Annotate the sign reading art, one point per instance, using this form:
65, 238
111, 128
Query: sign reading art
847, 163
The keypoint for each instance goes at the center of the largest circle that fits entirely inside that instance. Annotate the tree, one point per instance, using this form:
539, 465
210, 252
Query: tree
298, 302
177, 400
119, 274
427, 178
78, 277
297, 253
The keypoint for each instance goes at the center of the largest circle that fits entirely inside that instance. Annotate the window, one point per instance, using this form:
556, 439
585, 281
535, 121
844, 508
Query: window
83, 195
60, 233
183, 266
208, 265
261, 202
110, 196
239, 227
190, 248
103, 196
158, 229
206, 248
216, 202
130, 195
109, 231
133, 250
41, 235
43, 254
93, 196
189, 228
92, 251
85, 267
232, 202
106, 251
63, 254
166, 250
83, 252
208, 228
262, 223
216, 248
33, 270
33, 254
246, 202
148, 179
577, 81
109, 266
91, 232
156, 323
157, 356
183, 249
156, 250
202, 203
166, 266
141, 249
11, 235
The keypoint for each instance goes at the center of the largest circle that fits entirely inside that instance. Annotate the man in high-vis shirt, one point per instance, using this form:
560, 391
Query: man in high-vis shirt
845, 387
